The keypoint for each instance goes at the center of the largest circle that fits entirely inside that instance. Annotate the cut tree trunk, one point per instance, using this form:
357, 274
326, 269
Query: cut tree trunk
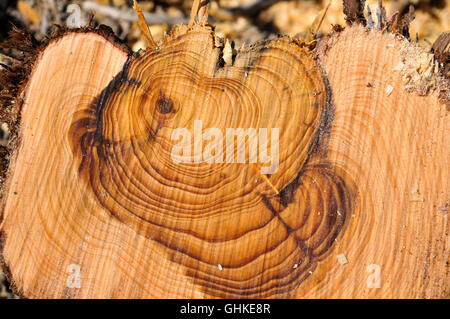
96, 203
395, 145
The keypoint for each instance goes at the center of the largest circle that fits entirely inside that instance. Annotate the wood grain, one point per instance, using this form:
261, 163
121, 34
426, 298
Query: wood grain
362, 180
396, 146
107, 197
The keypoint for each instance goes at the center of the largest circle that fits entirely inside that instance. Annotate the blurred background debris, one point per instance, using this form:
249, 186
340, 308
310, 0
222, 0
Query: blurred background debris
243, 21
240, 20
5, 292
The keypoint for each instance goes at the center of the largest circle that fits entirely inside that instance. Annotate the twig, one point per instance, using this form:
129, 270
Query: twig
323, 17
252, 8
143, 25
130, 15
199, 9
194, 11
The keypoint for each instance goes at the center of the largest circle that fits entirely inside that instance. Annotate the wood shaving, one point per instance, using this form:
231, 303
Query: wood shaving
342, 259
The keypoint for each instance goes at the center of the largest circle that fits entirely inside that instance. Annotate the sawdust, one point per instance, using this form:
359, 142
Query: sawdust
421, 72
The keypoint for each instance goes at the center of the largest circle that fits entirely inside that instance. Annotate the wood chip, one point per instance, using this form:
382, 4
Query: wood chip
342, 259
389, 90
228, 53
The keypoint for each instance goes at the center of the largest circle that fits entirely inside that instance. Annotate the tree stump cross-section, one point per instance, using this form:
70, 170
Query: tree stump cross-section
122, 183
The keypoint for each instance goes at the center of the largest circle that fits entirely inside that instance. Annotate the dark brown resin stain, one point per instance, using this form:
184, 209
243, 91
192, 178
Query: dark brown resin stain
98, 157
164, 104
